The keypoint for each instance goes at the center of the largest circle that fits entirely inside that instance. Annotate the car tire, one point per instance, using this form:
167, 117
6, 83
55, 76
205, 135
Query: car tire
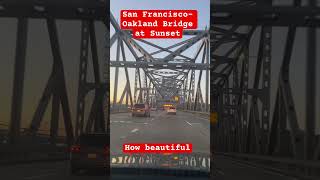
132, 115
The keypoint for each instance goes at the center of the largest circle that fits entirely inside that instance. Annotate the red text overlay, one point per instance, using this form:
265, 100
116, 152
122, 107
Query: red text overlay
158, 23
157, 148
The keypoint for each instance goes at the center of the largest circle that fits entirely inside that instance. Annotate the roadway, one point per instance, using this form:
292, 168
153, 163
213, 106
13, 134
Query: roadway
160, 128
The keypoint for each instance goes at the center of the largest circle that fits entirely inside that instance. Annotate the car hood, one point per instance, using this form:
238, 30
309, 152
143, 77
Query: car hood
193, 161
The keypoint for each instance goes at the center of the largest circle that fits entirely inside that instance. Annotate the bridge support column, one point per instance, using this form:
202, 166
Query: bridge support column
18, 84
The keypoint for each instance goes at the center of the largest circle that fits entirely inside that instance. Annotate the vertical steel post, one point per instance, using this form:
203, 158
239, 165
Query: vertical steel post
18, 83
82, 81
207, 76
115, 92
310, 91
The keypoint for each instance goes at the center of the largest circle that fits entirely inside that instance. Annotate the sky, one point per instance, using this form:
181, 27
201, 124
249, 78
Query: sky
203, 8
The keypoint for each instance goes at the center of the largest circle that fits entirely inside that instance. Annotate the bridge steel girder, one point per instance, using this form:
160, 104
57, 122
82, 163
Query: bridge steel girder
265, 15
159, 65
58, 9
18, 86
162, 77
86, 11
245, 129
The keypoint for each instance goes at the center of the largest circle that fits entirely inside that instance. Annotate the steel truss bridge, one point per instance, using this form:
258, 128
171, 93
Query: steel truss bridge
254, 125
254, 128
88, 13
158, 79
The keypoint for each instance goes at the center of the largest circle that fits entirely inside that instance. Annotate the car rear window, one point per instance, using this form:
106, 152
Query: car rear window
172, 108
93, 140
139, 106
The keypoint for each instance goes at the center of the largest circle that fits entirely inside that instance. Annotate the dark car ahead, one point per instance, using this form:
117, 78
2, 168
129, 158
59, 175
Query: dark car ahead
91, 151
141, 110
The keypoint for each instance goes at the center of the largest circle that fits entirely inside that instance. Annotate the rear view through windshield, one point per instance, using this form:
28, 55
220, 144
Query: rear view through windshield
93, 140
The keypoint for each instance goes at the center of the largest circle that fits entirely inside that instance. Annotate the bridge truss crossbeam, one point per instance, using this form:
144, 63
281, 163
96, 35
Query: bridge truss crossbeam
158, 79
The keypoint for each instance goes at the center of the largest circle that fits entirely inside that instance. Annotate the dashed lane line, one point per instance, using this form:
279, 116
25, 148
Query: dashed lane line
134, 130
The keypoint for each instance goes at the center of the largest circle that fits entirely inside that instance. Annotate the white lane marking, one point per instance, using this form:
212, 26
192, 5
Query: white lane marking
191, 123
40, 176
188, 123
134, 130
207, 119
121, 122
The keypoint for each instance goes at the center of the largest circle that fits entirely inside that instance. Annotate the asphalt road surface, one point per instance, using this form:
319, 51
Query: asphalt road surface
160, 128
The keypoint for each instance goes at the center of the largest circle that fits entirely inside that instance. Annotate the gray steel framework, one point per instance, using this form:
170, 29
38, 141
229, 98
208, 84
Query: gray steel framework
247, 127
86, 11
160, 79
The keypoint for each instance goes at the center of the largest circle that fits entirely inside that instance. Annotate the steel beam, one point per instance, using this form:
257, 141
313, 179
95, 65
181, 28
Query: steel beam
59, 9
265, 15
18, 83
159, 65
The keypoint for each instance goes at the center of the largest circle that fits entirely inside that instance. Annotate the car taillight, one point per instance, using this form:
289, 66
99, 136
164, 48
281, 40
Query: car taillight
75, 148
